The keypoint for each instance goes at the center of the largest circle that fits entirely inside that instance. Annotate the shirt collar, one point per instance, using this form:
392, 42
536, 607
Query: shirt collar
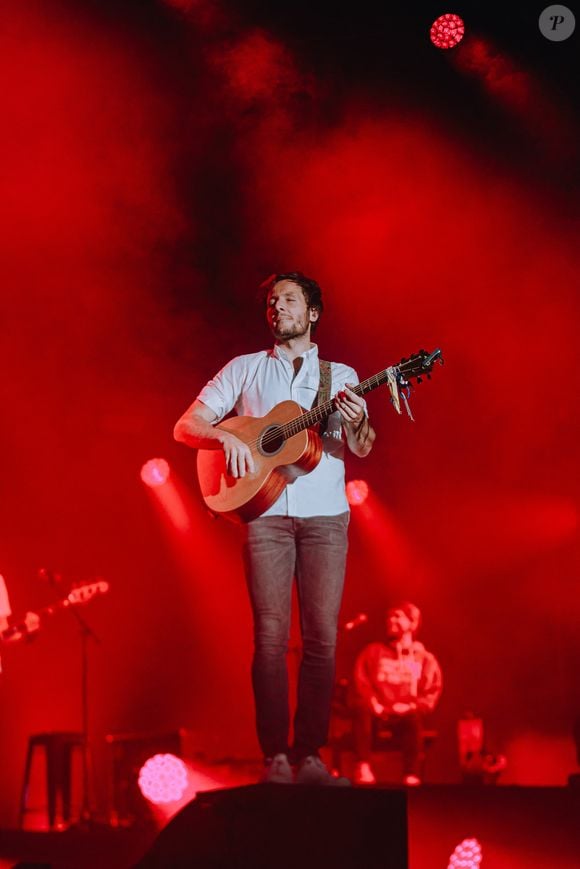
310, 356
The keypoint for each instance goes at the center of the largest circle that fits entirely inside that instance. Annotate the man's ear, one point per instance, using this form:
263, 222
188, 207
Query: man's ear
314, 314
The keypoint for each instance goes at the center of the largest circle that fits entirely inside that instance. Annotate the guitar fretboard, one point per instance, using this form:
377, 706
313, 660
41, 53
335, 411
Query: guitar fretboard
321, 411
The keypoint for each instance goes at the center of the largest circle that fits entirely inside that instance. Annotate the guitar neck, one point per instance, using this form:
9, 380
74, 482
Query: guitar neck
21, 627
78, 595
321, 411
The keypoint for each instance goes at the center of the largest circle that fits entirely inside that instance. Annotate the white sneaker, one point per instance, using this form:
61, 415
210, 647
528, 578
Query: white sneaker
313, 772
277, 771
363, 774
411, 781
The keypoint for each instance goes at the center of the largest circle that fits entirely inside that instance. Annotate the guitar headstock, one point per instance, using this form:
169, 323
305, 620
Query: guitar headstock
418, 364
83, 593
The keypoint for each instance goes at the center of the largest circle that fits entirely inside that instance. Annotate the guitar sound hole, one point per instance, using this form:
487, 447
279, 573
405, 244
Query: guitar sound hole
271, 441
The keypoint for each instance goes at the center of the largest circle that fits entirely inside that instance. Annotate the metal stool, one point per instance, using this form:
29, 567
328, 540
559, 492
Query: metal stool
341, 737
58, 748
383, 739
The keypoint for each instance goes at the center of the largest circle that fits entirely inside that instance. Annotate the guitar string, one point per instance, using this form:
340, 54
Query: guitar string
284, 431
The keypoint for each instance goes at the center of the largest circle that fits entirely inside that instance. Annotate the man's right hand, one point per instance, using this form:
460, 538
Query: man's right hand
196, 428
239, 459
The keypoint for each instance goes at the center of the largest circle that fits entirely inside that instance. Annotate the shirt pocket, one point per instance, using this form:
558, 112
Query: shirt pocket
307, 391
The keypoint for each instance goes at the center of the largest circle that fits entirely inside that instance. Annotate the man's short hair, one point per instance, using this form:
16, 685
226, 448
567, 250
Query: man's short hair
412, 612
311, 290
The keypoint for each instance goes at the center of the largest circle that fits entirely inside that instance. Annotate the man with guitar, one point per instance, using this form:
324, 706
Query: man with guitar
287, 485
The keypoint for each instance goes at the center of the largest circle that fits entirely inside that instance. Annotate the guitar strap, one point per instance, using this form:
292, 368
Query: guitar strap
323, 389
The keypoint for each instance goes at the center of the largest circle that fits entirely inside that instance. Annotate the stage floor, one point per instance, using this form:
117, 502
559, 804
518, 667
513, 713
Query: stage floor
518, 828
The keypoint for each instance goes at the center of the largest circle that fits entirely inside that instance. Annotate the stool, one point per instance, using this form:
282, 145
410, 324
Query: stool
341, 739
384, 739
58, 748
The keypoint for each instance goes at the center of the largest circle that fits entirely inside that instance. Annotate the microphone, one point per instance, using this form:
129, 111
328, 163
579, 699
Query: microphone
358, 620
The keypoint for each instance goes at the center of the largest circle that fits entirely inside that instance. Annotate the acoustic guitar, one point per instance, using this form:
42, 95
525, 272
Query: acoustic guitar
284, 444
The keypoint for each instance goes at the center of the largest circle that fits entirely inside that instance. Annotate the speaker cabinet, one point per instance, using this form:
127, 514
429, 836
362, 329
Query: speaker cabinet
285, 827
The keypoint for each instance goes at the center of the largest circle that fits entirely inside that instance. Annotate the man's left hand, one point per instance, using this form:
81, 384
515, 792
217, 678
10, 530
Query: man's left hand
32, 622
403, 708
350, 406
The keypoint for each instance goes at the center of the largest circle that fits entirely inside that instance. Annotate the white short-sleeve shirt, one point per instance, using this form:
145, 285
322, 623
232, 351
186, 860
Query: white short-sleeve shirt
252, 384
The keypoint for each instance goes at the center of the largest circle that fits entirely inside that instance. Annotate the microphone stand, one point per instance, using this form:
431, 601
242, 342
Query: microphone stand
86, 816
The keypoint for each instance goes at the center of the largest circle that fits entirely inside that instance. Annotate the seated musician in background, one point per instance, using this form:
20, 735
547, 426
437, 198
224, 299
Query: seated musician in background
398, 681
10, 633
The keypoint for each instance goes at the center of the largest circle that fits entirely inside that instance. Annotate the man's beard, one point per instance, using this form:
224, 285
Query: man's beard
291, 330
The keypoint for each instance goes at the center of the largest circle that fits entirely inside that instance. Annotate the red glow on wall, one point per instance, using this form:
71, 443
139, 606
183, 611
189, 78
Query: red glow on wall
163, 779
357, 491
447, 31
521, 92
258, 67
467, 855
388, 543
499, 73
155, 472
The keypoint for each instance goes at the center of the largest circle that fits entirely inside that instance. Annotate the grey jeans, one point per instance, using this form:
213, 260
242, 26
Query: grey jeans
277, 548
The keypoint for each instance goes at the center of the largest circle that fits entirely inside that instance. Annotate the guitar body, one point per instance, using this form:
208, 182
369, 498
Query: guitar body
277, 462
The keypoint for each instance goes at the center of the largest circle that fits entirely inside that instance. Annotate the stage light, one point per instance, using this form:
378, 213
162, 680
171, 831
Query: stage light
163, 779
155, 472
447, 31
357, 491
467, 855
